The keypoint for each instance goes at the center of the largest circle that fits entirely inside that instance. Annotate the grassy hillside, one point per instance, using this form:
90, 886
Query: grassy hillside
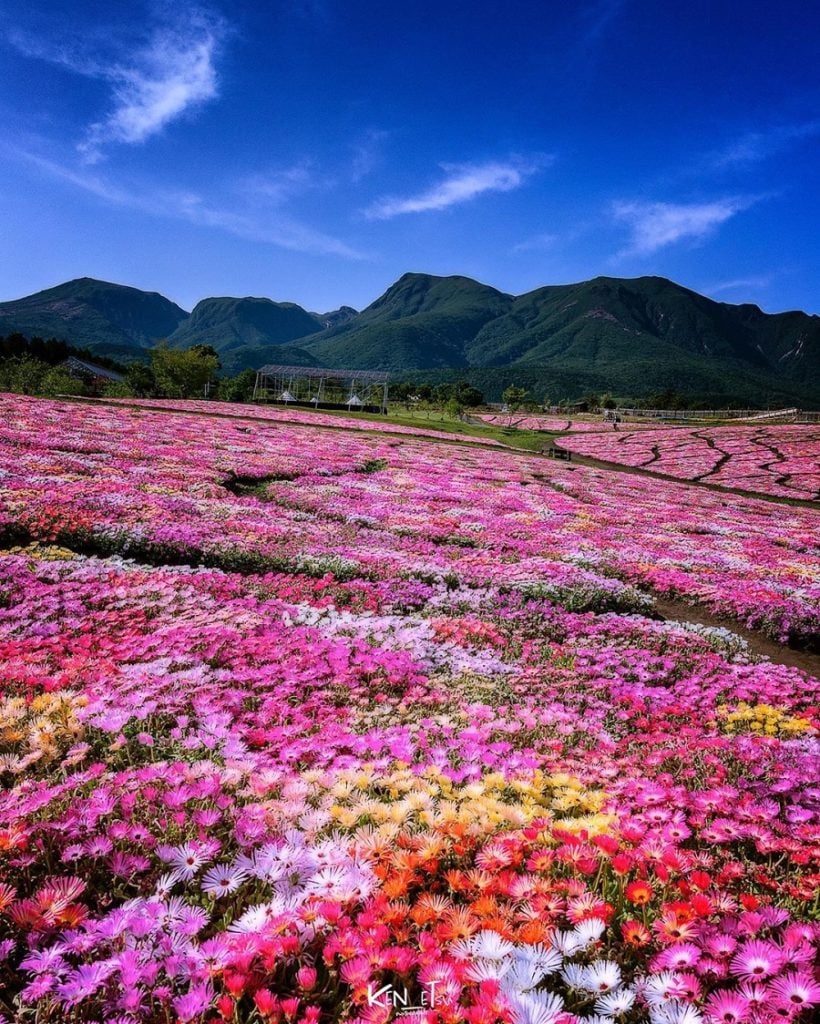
420, 322
110, 319
228, 324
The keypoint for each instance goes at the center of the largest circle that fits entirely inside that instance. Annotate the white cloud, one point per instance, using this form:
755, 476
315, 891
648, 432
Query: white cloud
463, 182
154, 80
756, 146
656, 225
251, 224
172, 73
366, 155
277, 186
538, 243
739, 283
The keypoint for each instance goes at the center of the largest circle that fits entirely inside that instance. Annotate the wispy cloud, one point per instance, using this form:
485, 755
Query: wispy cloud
654, 226
171, 71
267, 227
280, 185
596, 18
366, 155
754, 147
538, 243
739, 284
462, 183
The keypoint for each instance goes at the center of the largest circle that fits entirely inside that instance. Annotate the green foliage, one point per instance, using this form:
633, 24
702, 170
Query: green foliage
22, 374
140, 380
58, 381
238, 388
182, 373
514, 397
454, 408
118, 389
28, 376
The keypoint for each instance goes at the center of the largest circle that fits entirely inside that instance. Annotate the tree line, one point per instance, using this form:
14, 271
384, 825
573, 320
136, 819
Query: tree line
35, 366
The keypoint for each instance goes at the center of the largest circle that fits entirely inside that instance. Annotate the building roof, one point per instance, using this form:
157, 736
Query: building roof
316, 372
81, 366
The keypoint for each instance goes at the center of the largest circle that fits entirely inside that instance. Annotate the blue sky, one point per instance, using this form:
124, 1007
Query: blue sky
313, 151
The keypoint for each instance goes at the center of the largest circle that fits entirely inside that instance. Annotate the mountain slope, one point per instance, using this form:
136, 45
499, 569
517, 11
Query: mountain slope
420, 322
229, 324
629, 336
111, 319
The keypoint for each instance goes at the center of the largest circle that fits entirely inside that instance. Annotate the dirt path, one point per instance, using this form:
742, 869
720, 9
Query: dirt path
777, 653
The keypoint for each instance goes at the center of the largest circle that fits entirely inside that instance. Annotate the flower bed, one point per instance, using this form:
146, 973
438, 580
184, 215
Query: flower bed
781, 460
179, 488
294, 414
423, 748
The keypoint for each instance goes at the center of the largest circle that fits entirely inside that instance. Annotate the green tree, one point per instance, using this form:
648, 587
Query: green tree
58, 381
183, 373
238, 388
117, 389
467, 395
24, 375
454, 408
513, 398
141, 381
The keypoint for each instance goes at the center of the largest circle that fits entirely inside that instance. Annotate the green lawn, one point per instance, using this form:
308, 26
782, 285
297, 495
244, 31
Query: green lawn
530, 440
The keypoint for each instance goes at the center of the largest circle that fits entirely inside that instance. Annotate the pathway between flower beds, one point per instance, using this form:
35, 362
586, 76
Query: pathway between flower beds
780, 462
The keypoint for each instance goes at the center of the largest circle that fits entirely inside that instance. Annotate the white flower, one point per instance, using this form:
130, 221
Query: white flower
590, 930
546, 960
187, 860
222, 879
535, 1008
490, 946
602, 976
565, 942
575, 975
488, 970
675, 1012
660, 988
613, 1004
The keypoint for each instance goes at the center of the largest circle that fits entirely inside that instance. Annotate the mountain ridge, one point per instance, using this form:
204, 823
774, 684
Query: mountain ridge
627, 335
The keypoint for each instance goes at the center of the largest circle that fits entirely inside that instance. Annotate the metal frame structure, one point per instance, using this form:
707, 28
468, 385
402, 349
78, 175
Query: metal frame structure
322, 388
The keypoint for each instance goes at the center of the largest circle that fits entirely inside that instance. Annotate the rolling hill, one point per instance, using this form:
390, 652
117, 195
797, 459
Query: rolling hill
628, 336
111, 319
229, 324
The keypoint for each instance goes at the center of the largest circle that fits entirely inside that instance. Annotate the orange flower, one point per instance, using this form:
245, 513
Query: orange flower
397, 884
457, 924
639, 893
7, 896
635, 933
533, 932
484, 906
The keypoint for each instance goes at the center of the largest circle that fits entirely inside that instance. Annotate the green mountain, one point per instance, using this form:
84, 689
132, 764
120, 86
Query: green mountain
110, 319
630, 337
421, 322
335, 317
229, 324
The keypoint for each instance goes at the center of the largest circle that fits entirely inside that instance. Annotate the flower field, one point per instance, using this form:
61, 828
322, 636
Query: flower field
305, 726
781, 460
285, 414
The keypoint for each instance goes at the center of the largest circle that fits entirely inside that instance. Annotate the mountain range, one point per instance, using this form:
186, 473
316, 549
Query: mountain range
631, 337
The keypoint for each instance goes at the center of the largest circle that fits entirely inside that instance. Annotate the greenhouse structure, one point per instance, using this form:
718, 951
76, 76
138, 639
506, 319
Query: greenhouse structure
322, 388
